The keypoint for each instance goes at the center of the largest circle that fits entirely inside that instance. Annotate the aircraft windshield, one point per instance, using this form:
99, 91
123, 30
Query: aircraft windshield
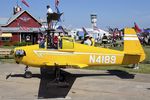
66, 43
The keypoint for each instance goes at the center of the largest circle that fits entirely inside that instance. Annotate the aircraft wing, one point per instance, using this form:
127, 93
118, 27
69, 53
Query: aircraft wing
82, 65
78, 65
132, 54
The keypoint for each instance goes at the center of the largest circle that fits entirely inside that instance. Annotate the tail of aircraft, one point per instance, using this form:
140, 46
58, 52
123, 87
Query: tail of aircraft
132, 45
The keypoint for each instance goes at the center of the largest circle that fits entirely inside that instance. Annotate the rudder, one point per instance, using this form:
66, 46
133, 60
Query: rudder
132, 44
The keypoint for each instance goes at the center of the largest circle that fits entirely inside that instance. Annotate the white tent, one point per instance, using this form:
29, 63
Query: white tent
98, 33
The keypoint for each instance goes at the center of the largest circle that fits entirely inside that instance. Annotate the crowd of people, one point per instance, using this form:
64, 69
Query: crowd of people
110, 40
53, 40
144, 38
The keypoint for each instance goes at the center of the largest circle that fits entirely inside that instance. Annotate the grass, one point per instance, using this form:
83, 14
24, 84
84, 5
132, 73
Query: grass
7, 47
144, 68
147, 52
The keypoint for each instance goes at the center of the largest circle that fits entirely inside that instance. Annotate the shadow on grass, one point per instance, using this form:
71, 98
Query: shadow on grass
127, 66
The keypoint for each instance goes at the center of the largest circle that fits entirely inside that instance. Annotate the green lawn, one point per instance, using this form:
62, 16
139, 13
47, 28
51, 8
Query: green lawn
7, 47
147, 51
144, 68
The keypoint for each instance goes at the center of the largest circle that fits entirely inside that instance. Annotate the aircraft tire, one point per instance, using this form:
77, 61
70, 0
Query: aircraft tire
28, 74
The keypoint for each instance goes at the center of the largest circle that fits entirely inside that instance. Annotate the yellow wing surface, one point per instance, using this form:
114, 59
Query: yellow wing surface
80, 55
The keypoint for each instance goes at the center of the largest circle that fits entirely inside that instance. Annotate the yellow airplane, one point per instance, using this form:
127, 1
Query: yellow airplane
70, 53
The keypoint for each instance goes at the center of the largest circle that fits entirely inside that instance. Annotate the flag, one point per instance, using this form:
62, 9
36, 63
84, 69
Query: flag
25, 3
56, 3
138, 30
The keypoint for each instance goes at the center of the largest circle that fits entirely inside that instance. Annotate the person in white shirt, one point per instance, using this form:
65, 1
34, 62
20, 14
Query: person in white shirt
49, 10
49, 17
87, 40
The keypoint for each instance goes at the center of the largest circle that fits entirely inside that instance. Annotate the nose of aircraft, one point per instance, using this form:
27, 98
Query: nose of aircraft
18, 55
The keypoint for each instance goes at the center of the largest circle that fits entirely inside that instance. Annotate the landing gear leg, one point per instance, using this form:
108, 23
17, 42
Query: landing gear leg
27, 74
60, 78
58, 75
136, 66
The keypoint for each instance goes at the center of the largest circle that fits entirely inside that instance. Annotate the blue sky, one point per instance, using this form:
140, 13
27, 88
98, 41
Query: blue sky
111, 13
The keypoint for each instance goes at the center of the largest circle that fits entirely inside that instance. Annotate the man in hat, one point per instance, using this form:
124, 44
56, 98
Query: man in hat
87, 40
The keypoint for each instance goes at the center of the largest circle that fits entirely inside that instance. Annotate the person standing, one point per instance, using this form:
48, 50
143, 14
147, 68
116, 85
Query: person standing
92, 40
49, 16
87, 40
55, 41
104, 39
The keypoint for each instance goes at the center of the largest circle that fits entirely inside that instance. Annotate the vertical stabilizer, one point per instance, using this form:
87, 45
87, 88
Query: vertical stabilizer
132, 44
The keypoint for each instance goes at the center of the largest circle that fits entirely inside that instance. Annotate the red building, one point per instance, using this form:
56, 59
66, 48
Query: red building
21, 27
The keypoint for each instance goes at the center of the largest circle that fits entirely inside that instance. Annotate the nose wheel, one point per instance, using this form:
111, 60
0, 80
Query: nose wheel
27, 74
